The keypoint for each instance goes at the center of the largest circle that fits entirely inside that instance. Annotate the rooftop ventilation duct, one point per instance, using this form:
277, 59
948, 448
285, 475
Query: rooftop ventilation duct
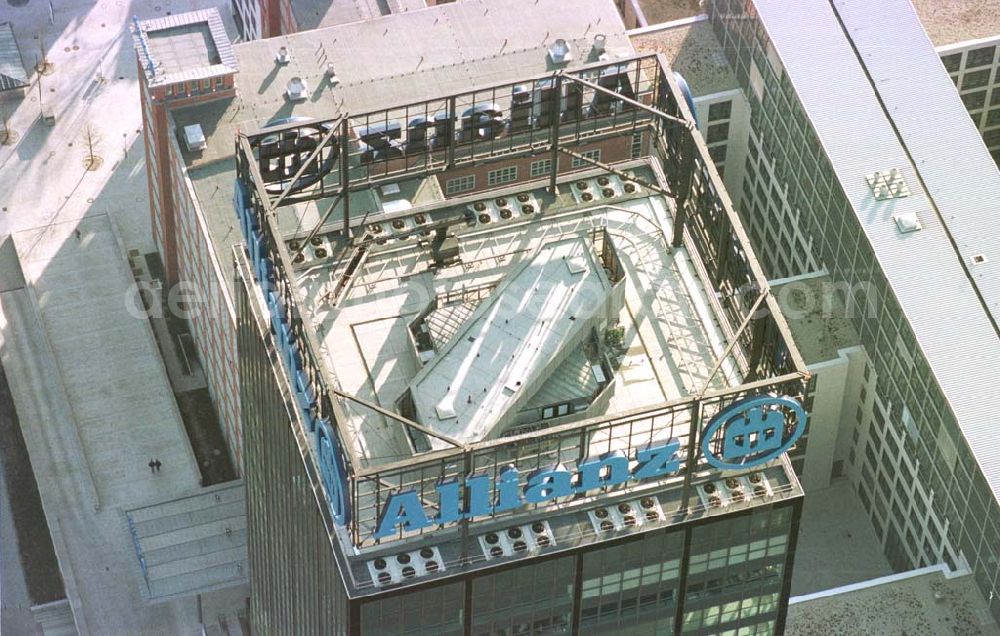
282, 56
331, 75
296, 89
600, 40
194, 138
907, 222
560, 52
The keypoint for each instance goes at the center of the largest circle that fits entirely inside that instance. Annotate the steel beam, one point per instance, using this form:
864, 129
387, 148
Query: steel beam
312, 157
630, 101
603, 166
399, 418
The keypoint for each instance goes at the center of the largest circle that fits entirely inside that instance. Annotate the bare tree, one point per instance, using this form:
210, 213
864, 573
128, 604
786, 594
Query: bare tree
90, 140
7, 135
5, 122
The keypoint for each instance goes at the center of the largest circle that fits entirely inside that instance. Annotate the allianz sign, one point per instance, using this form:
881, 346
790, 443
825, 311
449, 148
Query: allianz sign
753, 430
404, 511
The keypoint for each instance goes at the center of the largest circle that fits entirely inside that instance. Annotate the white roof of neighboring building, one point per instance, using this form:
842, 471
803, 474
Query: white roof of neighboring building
12, 73
499, 358
923, 130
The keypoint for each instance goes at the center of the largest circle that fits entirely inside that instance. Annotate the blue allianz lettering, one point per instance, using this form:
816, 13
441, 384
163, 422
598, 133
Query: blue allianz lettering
404, 511
329, 452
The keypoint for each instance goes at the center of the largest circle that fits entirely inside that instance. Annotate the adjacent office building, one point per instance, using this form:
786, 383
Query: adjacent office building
187, 61
865, 186
257, 19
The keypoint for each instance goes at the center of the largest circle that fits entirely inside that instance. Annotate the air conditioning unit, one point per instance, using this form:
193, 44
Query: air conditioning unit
392, 570
609, 185
560, 52
625, 515
712, 495
482, 213
282, 57
194, 138
735, 488
757, 485
517, 540
583, 191
318, 249
296, 89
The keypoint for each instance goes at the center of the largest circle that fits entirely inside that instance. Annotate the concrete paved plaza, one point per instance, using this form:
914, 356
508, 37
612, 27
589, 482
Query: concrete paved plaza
837, 544
88, 382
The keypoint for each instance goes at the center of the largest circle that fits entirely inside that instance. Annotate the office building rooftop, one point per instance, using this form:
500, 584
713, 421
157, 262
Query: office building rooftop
951, 21
183, 47
518, 331
392, 60
692, 50
319, 14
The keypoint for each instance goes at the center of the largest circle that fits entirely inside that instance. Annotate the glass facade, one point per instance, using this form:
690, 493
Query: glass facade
914, 471
725, 576
975, 69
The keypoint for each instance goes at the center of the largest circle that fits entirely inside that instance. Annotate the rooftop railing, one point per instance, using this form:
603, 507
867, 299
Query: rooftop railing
300, 161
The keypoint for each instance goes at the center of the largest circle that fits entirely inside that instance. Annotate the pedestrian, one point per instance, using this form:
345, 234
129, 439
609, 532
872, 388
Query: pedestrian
152, 466
158, 465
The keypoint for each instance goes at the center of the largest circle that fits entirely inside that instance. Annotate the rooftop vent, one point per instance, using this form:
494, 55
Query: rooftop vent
888, 184
625, 515
907, 222
297, 89
282, 56
331, 75
390, 570
978, 259
194, 138
600, 40
517, 540
560, 52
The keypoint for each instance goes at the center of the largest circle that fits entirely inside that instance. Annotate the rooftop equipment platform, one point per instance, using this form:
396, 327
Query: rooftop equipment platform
523, 331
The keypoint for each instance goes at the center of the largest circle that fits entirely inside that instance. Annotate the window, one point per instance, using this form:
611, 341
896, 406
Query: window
460, 184
756, 81
720, 110
206, 85
976, 79
952, 62
636, 150
993, 118
541, 167
980, 57
718, 153
219, 81
501, 175
717, 133
974, 100
593, 155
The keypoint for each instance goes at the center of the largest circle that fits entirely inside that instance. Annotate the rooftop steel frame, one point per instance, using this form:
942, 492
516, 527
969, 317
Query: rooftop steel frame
705, 223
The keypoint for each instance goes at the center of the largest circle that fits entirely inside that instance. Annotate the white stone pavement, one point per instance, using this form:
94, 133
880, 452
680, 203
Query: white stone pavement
91, 392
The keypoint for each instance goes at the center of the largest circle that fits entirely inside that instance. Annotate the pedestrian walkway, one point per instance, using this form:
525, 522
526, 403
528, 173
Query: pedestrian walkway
192, 544
107, 360
95, 406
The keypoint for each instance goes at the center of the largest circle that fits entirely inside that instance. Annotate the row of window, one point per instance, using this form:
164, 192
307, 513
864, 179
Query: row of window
508, 174
194, 87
